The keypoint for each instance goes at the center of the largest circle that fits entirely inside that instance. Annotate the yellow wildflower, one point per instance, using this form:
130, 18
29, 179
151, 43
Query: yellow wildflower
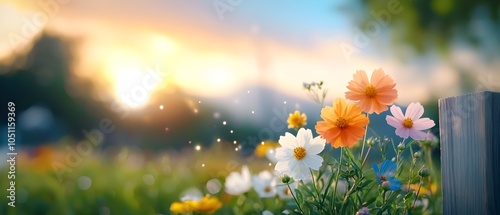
296, 120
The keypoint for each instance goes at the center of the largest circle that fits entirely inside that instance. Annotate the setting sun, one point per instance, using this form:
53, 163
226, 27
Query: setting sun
132, 83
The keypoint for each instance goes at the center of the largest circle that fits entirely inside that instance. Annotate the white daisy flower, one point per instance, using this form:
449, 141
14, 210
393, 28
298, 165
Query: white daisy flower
237, 183
299, 154
264, 184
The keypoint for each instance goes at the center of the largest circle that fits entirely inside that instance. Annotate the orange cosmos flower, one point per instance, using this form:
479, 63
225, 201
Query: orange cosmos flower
344, 124
374, 96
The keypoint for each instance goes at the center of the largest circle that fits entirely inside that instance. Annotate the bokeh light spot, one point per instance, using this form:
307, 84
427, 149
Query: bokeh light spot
84, 182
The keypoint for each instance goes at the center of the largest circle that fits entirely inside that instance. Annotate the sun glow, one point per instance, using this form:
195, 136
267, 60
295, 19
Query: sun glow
133, 83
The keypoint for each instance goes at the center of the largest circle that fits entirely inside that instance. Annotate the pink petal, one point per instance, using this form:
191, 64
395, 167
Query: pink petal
414, 111
396, 112
417, 135
403, 132
423, 124
392, 121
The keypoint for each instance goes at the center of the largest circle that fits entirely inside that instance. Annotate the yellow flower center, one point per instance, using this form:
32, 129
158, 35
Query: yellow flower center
408, 123
286, 191
267, 189
370, 91
341, 123
299, 153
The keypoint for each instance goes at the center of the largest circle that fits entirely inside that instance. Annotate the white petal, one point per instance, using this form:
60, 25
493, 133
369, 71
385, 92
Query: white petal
300, 172
282, 167
313, 161
302, 137
245, 172
317, 146
284, 153
288, 141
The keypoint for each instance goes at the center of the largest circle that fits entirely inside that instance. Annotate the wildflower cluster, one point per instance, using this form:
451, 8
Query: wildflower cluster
327, 173
324, 170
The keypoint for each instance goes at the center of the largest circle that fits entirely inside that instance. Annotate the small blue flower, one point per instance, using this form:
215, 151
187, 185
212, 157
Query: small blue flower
385, 175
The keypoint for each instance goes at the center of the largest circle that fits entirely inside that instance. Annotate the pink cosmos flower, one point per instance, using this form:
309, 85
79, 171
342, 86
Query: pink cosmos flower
410, 124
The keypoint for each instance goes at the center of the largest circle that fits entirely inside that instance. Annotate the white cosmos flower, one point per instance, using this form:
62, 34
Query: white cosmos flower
264, 184
284, 192
299, 154
237, 183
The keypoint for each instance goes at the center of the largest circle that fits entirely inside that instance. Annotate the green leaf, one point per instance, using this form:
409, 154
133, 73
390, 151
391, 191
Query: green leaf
299, 196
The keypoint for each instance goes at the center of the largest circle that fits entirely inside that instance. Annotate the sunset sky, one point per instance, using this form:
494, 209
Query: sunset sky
213, 48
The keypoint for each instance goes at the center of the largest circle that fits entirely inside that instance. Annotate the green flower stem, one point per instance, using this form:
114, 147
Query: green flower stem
418, 192
347, 195
337, 177
330, 180
364, 138
398, 155
410, 176
295, 199
428, 160
314, 186
366, 157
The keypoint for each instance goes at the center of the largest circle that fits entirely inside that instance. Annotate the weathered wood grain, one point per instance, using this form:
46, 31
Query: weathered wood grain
470, 153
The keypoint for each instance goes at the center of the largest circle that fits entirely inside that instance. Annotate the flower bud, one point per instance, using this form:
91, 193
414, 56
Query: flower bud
424, 172
385, 185
417, 155
286, 179
401, 147
370, 142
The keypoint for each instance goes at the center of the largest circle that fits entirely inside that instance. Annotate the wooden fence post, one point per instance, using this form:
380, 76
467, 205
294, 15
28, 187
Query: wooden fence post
470, 153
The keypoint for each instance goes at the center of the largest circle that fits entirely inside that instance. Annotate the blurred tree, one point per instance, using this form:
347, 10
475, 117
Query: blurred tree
429, 24
39, 78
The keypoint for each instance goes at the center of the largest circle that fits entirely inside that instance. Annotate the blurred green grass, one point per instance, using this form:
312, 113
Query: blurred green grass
123, 181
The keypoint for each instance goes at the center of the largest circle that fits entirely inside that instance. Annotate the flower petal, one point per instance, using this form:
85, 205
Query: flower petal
313, 161
388, 168
403, 132
317, 145
417, 135
392, 121
284, 154
397, 113
394, 183
414, 111
423, 124
288, 141
300, 172
282, 166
